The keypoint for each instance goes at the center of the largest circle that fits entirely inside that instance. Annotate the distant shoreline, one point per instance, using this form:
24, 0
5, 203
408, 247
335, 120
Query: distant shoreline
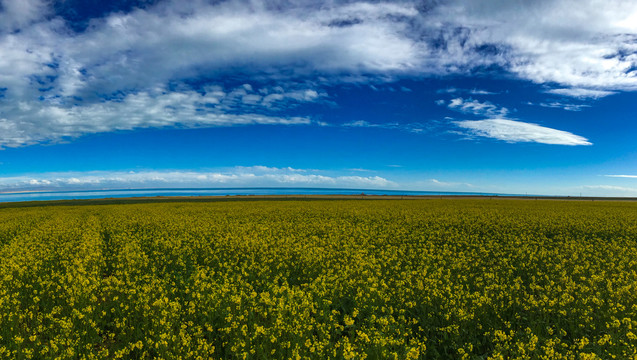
216, 198
45, 195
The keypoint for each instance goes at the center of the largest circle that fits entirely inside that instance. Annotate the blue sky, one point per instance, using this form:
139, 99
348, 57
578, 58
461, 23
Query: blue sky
481, 96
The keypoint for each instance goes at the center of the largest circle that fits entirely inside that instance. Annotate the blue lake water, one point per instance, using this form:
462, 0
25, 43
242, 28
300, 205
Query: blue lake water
100, 194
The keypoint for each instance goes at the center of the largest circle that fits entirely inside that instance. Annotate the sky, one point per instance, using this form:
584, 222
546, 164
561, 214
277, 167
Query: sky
535, 97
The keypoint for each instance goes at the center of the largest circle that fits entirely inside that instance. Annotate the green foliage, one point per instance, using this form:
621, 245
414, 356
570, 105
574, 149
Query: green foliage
419, 279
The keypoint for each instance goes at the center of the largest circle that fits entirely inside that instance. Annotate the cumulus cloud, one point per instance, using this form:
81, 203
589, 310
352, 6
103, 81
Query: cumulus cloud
517, 131
131, 50
257, 176
593, 48
582, 44
16, 14
131, 69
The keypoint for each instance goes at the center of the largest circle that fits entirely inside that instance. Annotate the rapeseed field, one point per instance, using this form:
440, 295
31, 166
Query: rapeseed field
338, 279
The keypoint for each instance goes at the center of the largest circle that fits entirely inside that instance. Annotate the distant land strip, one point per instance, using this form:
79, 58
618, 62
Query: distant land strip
295, 197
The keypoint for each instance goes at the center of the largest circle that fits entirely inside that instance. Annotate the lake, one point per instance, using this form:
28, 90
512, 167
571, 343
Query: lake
123, 193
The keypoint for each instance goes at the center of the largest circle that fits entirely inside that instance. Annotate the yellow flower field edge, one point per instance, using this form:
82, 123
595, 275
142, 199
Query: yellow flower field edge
341, 279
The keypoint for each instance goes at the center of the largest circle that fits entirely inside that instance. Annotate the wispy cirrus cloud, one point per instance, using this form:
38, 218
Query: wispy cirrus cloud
475, 107
256, 176
623, 176
581, 93
517, 131
410, 127
498, 126
561, 105
446, 185
481, 92
440, 183
453, 90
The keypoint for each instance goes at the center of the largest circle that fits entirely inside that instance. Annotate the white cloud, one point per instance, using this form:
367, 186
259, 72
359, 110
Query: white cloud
410, 127
37, 121
363, 123
481, 92
582, 48
592, 48
433, 184
449, 90
266, 169
121, 72
564, 106
581, 93
452, 90
16, 14
610, 190
476, 107
443, 184
577, 44
497, 126
623, 176
517, 131
157, 45
234, 177
55, 78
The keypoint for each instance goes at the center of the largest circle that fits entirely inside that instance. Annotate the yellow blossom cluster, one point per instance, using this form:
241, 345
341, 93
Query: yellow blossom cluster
328, 279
